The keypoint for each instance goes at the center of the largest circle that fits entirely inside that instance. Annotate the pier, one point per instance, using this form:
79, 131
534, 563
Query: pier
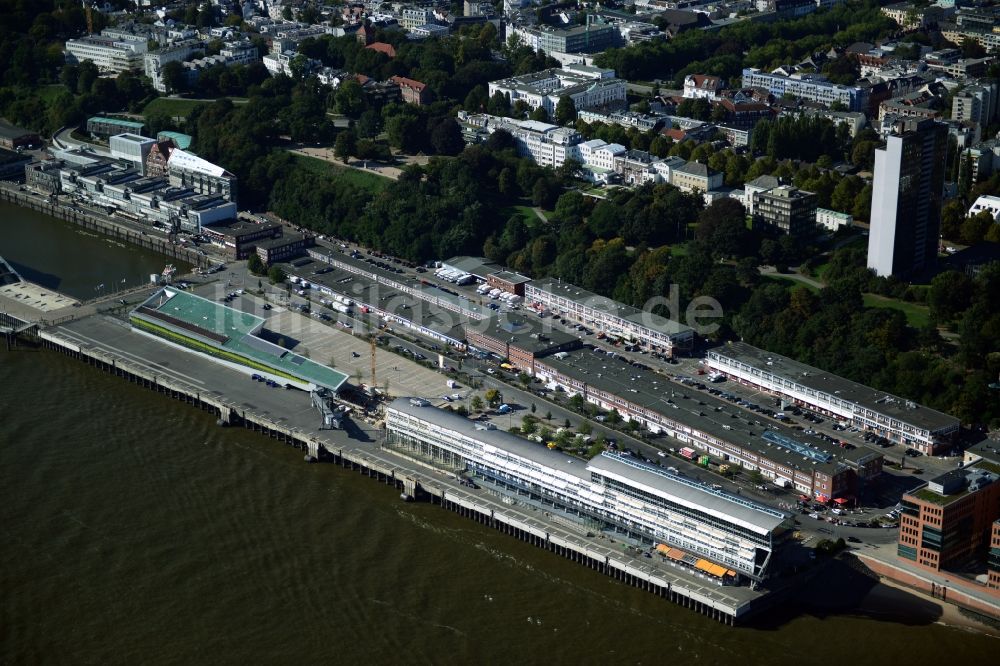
108, 344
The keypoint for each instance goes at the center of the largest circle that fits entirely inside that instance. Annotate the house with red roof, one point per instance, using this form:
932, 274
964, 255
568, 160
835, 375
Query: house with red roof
412, 92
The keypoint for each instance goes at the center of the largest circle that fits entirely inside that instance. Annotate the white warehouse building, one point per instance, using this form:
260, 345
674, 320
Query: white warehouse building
647, 503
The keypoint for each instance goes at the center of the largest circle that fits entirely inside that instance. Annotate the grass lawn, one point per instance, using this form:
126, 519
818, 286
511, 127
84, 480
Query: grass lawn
50, 92
526, 214
172, 107
176, 107
790, 282
916, 315
363, 179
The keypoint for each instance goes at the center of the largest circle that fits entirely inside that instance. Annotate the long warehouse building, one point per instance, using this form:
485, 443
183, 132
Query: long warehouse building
897, 419
609, 317
644, 502
704, 424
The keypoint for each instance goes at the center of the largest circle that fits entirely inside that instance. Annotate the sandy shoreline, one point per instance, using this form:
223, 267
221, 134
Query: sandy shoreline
890, 600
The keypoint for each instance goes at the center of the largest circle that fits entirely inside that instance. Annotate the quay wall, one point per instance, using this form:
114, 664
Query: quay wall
407, 482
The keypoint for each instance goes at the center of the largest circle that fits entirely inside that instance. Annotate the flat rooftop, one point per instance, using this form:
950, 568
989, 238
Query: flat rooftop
232, 330
237, 228
604, 304
820, 380
691, 493
523, 331
501, 439
700, 410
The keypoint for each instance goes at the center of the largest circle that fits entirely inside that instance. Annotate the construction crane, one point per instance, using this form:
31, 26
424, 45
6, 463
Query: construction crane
372, 341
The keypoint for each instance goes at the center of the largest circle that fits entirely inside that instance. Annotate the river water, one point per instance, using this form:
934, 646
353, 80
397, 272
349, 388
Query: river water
134, 530
66, 257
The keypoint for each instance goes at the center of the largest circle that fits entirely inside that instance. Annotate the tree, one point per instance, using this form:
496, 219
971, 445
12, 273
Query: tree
722, 226
446, 138
174, 77
348, 100
949, 295
276, 275
565, 110
256, 265
540, 114
477, 403
492, 397
346, 145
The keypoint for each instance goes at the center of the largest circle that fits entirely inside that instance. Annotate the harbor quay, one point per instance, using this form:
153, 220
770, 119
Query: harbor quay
288, 415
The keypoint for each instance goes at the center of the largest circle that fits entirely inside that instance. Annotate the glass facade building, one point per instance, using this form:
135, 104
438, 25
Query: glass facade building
648, 504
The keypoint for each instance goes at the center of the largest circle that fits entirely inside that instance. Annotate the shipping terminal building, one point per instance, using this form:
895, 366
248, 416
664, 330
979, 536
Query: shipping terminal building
716, 535
229, 337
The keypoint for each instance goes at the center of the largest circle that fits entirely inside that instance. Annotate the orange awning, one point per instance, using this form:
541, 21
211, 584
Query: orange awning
676, 554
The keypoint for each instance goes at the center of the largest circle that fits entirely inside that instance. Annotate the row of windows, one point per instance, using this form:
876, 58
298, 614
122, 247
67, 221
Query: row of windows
653, 514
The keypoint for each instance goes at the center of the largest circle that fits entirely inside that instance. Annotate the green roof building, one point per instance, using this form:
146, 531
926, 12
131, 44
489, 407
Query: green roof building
230, 337
182, 141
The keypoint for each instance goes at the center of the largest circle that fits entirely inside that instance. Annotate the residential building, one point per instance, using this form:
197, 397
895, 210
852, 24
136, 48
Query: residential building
591, 38
411, 91
229, 337
743, 115
587, 87
988, 203
411, 17
897, 419
696, 177
906, 199
703, 86
948, 523
520, 340
976, 104
919, 104
388, 50
785, 210
756, 186
109, 54
831, 220
13, 137
548, 145
153, 62
810, 87
643, 501
641, 121
609, 318
429, 30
